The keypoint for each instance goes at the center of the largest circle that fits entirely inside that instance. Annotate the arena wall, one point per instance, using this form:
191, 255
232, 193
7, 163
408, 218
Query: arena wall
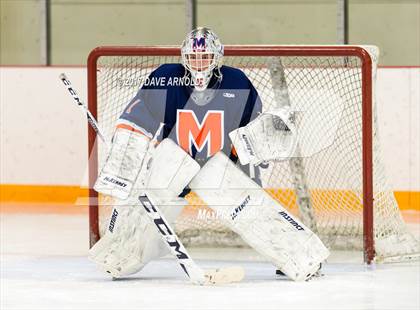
43, 152
392, 25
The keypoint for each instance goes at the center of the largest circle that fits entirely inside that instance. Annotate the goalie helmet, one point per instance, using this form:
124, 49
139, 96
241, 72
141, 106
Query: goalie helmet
202, 54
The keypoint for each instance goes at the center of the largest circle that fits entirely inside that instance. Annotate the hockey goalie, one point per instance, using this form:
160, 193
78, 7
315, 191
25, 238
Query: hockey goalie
205, 133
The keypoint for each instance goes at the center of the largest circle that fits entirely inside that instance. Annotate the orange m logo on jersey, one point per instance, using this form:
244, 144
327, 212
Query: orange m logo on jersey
209, 132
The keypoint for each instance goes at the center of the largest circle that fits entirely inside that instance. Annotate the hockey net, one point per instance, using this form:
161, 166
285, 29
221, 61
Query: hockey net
337, 186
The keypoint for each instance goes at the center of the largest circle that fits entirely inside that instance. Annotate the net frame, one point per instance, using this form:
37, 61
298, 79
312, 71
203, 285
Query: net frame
258, 50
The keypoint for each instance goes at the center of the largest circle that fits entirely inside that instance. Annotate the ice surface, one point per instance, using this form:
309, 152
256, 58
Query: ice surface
44, 266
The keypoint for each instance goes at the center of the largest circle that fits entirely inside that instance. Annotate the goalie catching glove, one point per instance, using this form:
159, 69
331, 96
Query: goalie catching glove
271, 136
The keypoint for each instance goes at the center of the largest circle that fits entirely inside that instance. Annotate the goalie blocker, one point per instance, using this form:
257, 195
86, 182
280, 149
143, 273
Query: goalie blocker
124, 164
243, 206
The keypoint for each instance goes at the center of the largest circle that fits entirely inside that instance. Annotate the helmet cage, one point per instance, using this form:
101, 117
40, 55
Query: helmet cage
201, 53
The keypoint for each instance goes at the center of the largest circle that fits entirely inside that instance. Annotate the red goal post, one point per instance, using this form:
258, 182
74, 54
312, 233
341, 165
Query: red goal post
247, 51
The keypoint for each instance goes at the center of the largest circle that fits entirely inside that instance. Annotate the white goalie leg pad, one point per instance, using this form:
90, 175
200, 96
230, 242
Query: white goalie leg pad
123, 164
132, 240
169, 170
243, 206
271, 136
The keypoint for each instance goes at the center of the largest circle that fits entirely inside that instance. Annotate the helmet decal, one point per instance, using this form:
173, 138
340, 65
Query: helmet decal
199, 43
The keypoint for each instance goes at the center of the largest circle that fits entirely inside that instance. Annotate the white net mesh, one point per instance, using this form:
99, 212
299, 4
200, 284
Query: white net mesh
324, 186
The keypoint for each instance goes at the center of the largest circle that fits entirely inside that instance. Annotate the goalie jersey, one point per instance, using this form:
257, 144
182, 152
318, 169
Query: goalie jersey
198, 121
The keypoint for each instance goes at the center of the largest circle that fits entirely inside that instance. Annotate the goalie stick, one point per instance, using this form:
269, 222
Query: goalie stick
191, 269
83, 106
177, 249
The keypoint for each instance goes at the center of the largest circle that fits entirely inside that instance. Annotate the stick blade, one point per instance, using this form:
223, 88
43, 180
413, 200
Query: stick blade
224, 275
